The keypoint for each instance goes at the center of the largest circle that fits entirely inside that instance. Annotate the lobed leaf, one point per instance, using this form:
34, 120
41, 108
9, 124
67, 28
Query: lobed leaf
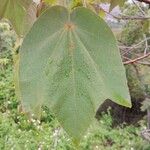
71, 63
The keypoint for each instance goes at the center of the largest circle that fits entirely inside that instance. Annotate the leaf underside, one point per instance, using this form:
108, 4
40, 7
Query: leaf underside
71, 63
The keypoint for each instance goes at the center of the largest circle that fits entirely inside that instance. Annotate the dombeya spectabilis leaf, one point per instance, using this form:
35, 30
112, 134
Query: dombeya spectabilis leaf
70, 62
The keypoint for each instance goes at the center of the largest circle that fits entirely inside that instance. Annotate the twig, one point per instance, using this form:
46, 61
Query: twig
122, 17
129, 48
136, 59
146, 45
133, 53
39, 8
126, 58
144, 63
144, 1
140, 9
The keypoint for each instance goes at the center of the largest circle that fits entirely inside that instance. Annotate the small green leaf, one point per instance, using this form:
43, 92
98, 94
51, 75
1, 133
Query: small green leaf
71, 63
102, 13
20, 12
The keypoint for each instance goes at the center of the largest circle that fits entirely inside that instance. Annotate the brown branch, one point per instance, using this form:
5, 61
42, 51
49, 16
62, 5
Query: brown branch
122, 17
146, 44
127, 49
139, 7
136, 59
132, 18
144, 63
39, 8
144, 1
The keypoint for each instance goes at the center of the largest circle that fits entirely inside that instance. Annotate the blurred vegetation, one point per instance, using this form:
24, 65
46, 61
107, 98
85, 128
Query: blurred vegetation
138, 75
133, 32
18, 132
7, 42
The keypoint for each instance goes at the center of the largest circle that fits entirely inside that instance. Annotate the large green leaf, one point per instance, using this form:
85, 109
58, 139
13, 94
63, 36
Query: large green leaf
21, 13
71, 63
